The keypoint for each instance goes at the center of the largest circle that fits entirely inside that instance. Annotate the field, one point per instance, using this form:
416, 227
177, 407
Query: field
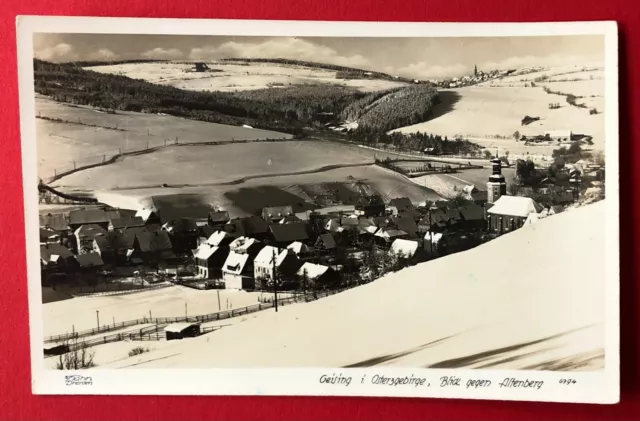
59, 143
236, 76
438, 314
80, 313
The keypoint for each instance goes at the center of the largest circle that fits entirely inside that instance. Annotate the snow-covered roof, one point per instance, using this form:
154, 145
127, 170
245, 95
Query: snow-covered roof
179, 327
216, 238
515, 206
235, 263
313, 270
242, 244
332, 225
407, 247
144, 214
434, 237
388, 233
297, 247
205, 251
265, 257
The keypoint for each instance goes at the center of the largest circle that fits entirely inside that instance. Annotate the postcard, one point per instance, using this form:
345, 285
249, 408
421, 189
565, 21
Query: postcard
225, 207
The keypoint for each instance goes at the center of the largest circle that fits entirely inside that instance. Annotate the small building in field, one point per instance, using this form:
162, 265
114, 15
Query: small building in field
182, 330
559, 135
509, 213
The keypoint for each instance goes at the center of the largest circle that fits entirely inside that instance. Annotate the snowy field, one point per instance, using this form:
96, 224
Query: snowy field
481, 113
448, 185
59, 144
507, 311
80, 313
236, 76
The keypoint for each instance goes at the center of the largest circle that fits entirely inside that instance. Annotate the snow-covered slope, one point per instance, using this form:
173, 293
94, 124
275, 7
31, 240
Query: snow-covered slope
531, 299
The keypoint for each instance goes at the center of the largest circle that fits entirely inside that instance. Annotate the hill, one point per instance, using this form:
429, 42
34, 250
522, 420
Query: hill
495, 306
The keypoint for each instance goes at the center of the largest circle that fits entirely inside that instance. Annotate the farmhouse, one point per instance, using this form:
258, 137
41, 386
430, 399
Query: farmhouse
251, 226
85, 234
325, 242
316, 275
276, 213
472, 217
269, 258
559, 135
208, 258
282, 235
370, 206
182, 330
401, 204
114, 246
54, 255
509, 213
153, 246
218, 219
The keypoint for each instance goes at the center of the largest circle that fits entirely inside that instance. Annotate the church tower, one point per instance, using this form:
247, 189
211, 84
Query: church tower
497, 186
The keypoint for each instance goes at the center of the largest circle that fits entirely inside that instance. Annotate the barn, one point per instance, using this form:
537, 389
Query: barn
182, 330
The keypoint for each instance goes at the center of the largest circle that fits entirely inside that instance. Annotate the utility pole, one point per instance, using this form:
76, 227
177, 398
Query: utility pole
98, 318
274, 279
185, 309
219, 301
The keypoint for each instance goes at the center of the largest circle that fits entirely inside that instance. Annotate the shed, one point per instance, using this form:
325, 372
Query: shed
182, 330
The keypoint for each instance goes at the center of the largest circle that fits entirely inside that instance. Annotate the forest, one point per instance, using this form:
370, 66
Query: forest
415, 142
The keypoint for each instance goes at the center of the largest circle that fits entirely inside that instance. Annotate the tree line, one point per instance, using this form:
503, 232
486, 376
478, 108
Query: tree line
438, 145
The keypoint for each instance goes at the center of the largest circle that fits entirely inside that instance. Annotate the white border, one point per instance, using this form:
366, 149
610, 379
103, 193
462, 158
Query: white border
597, 387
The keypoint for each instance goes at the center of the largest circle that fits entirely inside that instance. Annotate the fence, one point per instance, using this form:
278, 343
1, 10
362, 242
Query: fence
221, 315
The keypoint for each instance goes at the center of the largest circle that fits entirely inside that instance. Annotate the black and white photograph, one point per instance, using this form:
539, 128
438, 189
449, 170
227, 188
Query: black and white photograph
427, 206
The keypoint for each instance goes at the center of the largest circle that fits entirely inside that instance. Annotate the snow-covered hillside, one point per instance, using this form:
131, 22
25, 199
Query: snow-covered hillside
532, 299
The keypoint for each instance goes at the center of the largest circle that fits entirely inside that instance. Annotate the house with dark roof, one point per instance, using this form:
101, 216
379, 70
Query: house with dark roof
251, 226
57, 222
218, 219
127, 222
276, 213
284, 234
48, 236
411, 251
472, 217
283, 261
100, 217
153, 246
406, 224
209, 259
89, 261
183, 233
436, 220
370, 206
204, 232
312, 275
148, 216
325, 243
402, 206
55, 255
115, 246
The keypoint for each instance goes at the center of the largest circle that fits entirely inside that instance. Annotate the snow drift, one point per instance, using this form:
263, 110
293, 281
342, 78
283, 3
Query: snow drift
531, 299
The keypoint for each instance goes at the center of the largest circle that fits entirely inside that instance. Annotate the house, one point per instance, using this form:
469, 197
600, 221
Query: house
219, 239
555, 209
290, 219
114, 247
333, 225
370, 206
251, 226
325, 242
283, 261
301, 250
282, 235
48, 236
406, 224
200, 67
204, 232
53, 255
85, 234
509, 213
100, 217
218, 219
89, 261
436, 219
148, 216
183, 233
128, 222
401, 204
276, 213
182, 330
386, 236
237, 270
472, 217
316, 276
407, 249
208, 258
56, 222
153, 246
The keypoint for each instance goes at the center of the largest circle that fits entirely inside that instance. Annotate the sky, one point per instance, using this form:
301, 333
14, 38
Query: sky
424, 58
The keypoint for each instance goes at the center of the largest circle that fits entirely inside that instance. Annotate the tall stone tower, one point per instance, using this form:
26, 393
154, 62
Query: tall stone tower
496, 186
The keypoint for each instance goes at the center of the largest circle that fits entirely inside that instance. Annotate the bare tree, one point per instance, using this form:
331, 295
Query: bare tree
79, 357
